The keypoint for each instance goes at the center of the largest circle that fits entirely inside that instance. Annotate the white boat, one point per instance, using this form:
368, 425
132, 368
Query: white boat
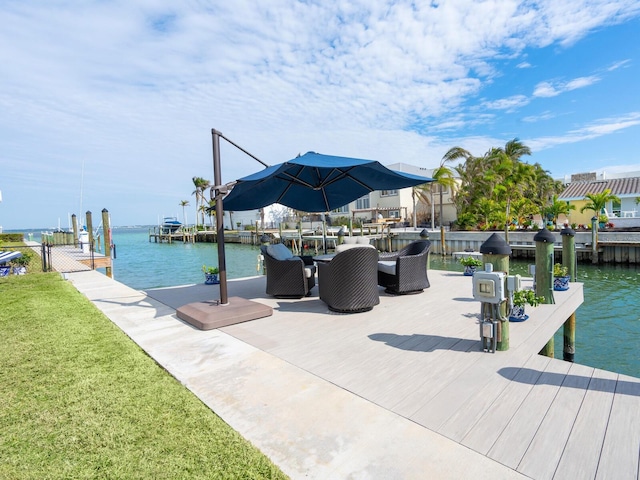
170, 224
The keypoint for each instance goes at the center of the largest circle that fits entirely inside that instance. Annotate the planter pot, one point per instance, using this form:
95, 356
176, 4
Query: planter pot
517, 314
211, 279
469, 270
561, 283
5, 270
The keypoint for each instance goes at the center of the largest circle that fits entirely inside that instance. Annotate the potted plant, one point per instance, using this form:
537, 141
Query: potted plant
602, 220
211, 275
521, 298
560, 277
470, 264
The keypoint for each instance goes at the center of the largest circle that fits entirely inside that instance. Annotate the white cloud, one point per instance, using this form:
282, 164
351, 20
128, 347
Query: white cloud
621, 64
540, 117
510, 104
549, 89
133, 88
597, 129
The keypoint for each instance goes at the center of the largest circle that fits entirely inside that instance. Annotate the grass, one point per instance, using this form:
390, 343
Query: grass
79, 399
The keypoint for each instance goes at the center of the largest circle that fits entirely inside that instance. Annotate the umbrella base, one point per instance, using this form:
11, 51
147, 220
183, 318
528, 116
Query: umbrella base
210, 315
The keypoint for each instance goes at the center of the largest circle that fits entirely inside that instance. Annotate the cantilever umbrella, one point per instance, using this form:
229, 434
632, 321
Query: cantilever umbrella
316, 183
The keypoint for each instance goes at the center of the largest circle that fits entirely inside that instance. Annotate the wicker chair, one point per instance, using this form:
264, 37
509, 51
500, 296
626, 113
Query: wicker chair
347, 284
405, 271
287, 276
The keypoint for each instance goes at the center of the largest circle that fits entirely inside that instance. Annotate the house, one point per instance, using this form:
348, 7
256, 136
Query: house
400, 205
625, 186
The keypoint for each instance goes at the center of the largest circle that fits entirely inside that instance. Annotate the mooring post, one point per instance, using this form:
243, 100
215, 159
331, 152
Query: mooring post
443, 245
264, 241
90, 229
106, 233
569, 261
544, 275
594, 240
496, 252
74, 223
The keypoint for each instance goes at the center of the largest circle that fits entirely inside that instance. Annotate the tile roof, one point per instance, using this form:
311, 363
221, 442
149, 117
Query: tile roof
622, 187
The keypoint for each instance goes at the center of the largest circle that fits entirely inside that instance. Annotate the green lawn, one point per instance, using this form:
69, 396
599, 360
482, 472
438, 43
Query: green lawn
79, 399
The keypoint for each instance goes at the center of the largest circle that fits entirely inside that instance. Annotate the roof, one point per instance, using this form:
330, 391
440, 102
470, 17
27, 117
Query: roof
622, 187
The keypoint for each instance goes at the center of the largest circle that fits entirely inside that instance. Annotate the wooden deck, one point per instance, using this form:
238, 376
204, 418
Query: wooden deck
419, 357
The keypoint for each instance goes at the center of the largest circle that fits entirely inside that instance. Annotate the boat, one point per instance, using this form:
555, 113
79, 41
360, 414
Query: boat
170, 225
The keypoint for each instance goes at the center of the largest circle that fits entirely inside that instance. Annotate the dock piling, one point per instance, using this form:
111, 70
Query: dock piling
569, 261
544, 275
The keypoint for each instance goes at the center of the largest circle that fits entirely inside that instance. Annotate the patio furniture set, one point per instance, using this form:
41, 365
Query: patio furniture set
349, 280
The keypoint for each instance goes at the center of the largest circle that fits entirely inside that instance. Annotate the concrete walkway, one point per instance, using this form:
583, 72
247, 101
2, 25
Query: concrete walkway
307, 426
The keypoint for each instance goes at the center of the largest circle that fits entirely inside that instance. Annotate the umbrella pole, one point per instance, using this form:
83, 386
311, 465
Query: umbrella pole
217, 179
324, 233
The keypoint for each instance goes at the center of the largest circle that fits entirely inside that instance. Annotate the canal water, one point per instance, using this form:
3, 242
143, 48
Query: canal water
608, 322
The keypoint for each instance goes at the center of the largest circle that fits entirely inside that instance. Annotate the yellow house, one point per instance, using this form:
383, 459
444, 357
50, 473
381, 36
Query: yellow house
625, 188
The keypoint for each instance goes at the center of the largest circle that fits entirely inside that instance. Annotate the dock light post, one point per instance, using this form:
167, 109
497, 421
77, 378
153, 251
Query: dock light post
496, 252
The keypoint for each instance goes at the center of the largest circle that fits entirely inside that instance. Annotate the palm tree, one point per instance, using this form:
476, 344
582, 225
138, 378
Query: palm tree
443, 177
183, 204
211, 211
598, 201
557, 208
201, 185
514, 175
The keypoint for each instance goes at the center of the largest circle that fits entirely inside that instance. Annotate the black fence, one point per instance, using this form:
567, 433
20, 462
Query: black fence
68, 258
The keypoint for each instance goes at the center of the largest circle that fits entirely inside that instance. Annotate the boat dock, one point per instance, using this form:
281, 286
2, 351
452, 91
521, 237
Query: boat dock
402, 391
160, 234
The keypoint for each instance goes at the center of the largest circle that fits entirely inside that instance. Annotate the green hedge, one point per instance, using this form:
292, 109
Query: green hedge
11, 237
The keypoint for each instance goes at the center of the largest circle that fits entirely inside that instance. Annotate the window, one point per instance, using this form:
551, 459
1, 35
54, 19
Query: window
615, 208
343, 209
363, 202
388, 193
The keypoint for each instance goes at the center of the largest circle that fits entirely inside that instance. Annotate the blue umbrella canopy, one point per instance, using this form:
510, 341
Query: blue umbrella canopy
316, 183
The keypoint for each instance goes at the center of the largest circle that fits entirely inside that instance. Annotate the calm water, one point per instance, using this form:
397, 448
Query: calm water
608, 323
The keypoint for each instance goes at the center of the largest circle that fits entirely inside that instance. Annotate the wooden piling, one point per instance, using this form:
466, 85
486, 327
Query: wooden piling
90, 228
594, 240
74, 223
443, 245
496, 252
106, 234
544, 275
569, 261
569, 330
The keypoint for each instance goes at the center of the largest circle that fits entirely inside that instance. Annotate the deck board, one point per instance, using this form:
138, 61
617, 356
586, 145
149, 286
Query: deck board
514, 440
582, 453
621, 448
419, 357
543, 454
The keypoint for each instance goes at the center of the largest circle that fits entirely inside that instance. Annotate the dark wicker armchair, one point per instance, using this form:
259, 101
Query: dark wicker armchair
287, 276
348, 284
406, 270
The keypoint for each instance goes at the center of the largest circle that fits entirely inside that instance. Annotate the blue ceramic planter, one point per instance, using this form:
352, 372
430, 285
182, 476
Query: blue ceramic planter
561, 283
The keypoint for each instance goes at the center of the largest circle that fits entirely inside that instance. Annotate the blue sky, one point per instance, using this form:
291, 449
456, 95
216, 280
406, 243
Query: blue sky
110, 104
